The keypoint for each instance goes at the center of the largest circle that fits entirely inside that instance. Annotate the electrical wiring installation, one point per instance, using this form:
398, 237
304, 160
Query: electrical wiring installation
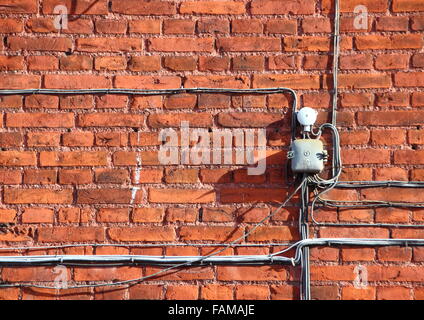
186, 263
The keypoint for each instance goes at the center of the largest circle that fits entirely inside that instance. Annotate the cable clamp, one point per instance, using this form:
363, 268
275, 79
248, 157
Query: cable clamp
290, 155
293, 262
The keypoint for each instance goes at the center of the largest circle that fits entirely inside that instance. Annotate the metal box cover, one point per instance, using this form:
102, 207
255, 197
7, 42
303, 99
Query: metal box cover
307, 156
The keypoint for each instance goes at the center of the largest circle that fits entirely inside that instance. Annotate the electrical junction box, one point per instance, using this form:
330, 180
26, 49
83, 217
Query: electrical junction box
307, 156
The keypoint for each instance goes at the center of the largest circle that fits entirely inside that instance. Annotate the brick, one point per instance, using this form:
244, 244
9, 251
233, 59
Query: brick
112, 139
216, 292
107, 196
41, 196
181, 44
146, 292
281, 26
354, 137
392, 24
418, 60
8, 216
271, 233
10, 177
110, 63
392, 215
394, 194
38, 215
10, 63
144, 215
243, 44
306, 43
78, 139
142, 233
42, 101
418, 99
145, 26
391, 118
294, 81
180, 63
393, 42
358, 254
197, 120
407, 5
175, 26
369, 156
284, 62
11, 139
60, 120
42, 63
394, 254
110, 120
393, 293
409, 79
147, 82
73, 158
356, 99
246, 26
388, 137
346, 232
75, 176
32, 176
79, 26
212, 7
43, 139
111, 26
217, 81
9, 25
113, 215
79, 7
44, 25
214, 63
252, 292
417, 23
324, 292
187, 292
39, 44
245, 63
362, 81
17, 158
276, 7
356, 215
316, 62
104, 44
76, 102
145, 63
393, 99
17, 81
115, 176
395, 174
356, 62
416, 136
136, 7
409, 157
76, 82
351, 293
181, 196
316, 25
211, 25
332, 273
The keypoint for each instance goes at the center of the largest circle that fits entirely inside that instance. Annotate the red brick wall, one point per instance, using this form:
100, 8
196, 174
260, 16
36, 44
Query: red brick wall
69, 162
